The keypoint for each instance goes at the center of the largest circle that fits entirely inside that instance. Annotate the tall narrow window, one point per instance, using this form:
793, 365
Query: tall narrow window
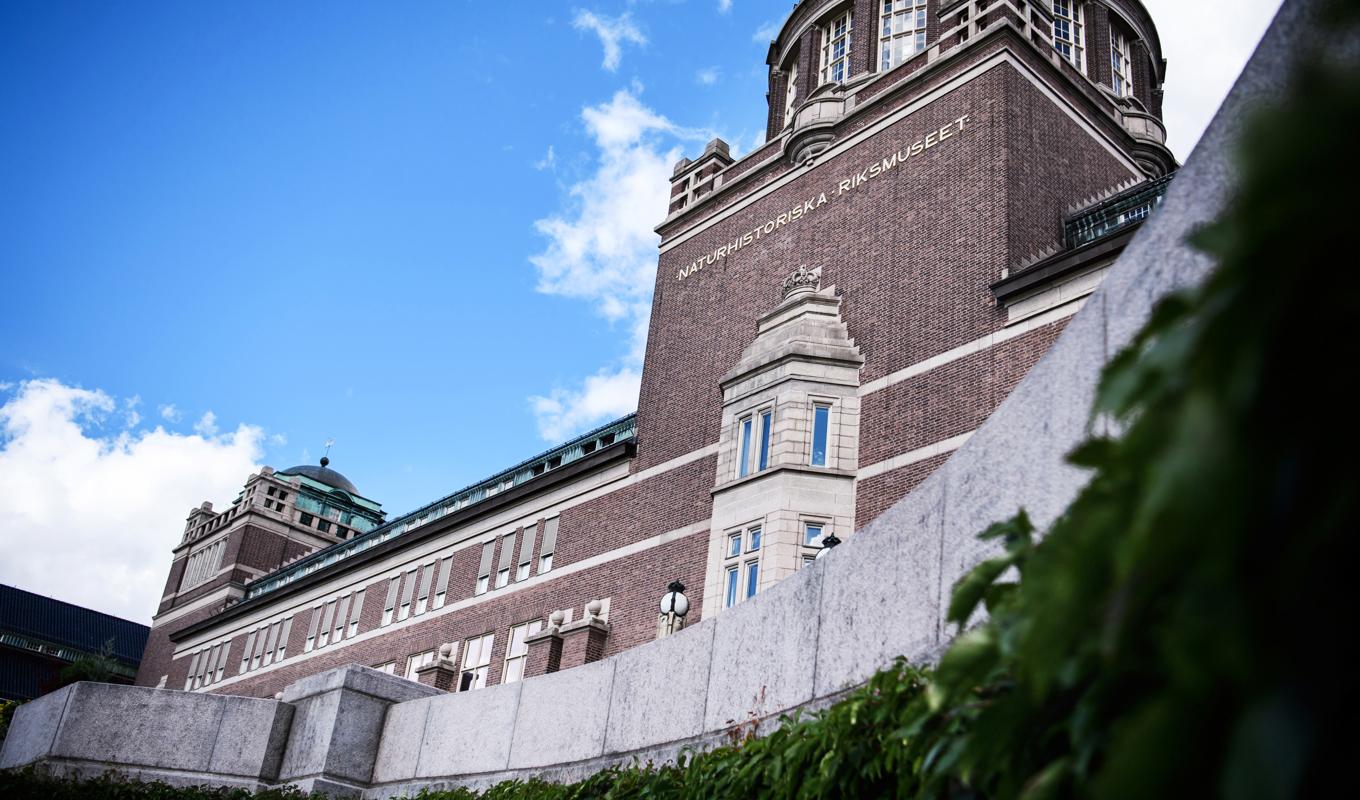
1068, 31
730, 593
790, 93
837, 39
408, 591
259, 648
1121, 65
484, 569
752, 577
517, 650
476, 661
423, 596
283, 639
222, 660
734, 544
312, 625
545, 560
270, 641
526, 552
753, 540
193, 671
507, 557
355, 609
341, 617
821, 421
744, 451
392, 587
441, 589
902, 31
323, 637
766, 427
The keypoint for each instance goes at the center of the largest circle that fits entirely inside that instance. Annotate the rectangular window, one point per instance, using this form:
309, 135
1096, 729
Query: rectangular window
423, 596
305, 520
323, 526
902, 31
417, 661
730, 593
734, 545
507, 558
311, 631
526, 552
283, 639
837, 39
441, 589
222, 660
476, 661
1121, 64
752, 578
408, 591
753, 540
545, 560
341, 618
323, 637
270, 642
821, 421
484, 569
790, 93
809, 560
517, 651
1068, 36
259, 648
356, 608
744, 452
393, 586
766, 426
812, 534
193, 670
390, 667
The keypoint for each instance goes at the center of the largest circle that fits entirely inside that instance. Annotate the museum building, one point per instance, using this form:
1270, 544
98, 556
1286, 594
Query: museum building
943, 184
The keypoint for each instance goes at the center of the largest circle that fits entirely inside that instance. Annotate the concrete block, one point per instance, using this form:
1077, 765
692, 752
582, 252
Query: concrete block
251, 737
360, 679
139, 726
469, 732
33, 731
663, 680
881, 592
764, 652
562, 716
399, 750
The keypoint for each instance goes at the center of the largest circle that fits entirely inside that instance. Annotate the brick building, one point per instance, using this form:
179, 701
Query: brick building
943, 183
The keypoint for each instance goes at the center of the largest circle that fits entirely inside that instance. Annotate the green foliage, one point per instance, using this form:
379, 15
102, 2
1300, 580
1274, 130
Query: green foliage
99, 667
30, 784
1179, 631
7, 709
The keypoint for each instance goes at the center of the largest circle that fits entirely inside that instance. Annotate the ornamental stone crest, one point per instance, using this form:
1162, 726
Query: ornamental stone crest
801, 280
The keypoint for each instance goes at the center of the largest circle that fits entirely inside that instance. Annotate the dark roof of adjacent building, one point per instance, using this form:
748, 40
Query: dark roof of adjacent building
322, 474
42, 619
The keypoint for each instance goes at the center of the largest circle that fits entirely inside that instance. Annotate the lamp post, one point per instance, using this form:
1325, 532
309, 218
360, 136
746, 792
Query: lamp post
674, 607
828, 542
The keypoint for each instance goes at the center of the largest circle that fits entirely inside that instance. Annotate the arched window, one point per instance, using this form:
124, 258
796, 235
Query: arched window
902, 31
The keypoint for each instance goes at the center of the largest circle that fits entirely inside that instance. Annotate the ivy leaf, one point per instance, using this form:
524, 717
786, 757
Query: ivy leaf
972, 587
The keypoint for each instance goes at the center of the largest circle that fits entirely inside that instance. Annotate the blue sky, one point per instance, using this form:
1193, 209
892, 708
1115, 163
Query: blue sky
231, 231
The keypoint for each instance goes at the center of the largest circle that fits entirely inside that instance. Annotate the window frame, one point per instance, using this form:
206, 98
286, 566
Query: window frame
485, 644
1072, 46
836, 66
518, 659
817, 405
1121, 63
889, 12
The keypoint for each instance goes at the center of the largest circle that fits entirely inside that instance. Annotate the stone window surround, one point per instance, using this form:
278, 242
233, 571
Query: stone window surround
829, 41
1073, 13
754, 413
916, 9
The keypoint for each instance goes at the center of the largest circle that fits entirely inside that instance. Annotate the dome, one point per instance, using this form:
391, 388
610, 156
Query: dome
322, 474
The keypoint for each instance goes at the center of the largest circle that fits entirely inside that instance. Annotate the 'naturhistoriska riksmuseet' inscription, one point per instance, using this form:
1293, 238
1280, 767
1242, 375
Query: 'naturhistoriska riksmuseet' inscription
869, 172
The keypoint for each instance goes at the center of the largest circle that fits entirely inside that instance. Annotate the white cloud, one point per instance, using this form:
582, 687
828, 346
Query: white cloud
614, 32
207, 424
602, 249
605, 395
724, 6
766, 32
707, 76
549, 160
278, 440
89, 517
1201, 69
169, 413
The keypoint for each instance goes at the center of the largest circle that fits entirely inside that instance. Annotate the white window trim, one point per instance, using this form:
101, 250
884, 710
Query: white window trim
1121, 53
911, 10
830, 64
1073, 12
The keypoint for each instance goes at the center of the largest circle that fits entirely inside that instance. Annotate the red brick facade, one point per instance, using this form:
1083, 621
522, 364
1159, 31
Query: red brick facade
978, 153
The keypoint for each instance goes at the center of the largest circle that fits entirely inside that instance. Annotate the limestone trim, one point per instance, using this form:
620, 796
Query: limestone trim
1000, 58
977, 345
470, 602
